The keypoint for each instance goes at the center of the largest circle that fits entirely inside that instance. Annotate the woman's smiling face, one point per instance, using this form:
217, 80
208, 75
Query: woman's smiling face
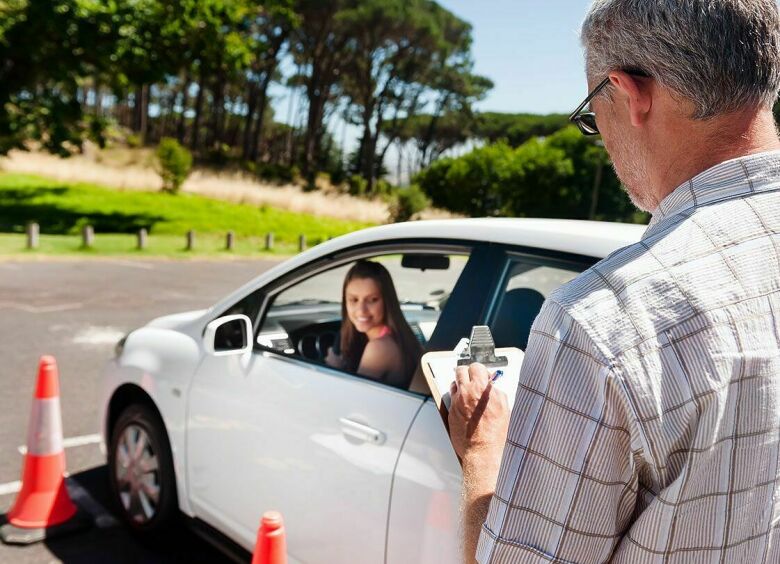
365, 306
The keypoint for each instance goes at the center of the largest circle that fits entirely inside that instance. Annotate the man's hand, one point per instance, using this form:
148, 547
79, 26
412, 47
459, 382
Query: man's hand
479, 413
479, 420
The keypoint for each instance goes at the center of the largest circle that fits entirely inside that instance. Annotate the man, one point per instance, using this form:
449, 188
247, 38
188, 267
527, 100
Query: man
647, 421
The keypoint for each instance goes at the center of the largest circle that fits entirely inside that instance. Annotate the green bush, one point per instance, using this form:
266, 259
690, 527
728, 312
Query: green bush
408, 203
175, 164
357, 185
134, 141
560, 176
474, 184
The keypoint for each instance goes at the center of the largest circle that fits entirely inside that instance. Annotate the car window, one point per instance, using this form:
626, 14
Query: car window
304, 320
525, 286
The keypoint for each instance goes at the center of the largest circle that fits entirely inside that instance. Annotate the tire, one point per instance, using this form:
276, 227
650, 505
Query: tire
141, 474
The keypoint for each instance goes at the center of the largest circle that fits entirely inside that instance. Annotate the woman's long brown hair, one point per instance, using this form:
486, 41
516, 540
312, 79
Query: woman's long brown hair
353, 342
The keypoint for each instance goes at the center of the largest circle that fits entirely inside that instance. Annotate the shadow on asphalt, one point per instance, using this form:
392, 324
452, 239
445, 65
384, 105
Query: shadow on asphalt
116, 544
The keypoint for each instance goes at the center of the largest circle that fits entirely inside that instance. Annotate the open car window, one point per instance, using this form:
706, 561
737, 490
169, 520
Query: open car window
526, 284
304, 319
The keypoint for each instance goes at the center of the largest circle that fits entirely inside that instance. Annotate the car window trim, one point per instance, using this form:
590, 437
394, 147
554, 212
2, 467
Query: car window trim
334, 372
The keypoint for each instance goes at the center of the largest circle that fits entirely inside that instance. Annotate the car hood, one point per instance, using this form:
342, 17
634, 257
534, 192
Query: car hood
176, 320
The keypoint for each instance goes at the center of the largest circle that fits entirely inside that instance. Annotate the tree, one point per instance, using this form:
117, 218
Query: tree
317, 46
516, 129
270, 26
45, 50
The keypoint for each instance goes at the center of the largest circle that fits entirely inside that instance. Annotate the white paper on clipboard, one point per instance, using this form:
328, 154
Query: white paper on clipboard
439, 371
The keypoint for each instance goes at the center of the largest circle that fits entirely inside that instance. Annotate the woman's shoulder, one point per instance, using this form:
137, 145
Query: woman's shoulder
386, 343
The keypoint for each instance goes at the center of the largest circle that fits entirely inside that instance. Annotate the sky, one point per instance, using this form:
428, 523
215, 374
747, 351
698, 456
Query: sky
530, 50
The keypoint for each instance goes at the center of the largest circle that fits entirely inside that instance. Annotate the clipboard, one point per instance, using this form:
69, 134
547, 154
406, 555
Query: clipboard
439, 366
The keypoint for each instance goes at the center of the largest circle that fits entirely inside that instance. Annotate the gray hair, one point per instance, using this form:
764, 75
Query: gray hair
722, 55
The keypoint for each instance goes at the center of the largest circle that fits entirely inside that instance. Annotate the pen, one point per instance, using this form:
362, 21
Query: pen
496, 375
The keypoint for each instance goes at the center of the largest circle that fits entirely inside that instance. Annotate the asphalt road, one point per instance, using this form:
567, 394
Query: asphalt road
77, 310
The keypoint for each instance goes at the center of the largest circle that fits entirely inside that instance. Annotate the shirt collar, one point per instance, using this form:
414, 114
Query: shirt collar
730, 179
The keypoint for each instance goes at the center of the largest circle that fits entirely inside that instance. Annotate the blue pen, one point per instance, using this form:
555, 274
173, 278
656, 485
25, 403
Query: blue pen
496, 375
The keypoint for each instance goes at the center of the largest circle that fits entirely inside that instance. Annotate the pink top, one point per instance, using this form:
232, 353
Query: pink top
384, 332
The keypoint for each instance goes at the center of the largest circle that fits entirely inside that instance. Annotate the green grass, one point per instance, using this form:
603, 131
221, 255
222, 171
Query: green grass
62, 209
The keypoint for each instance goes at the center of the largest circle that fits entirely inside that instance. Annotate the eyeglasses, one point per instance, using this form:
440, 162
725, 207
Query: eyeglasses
586, 121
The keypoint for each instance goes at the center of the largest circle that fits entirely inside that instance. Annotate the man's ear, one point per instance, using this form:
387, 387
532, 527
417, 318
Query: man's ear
637, 95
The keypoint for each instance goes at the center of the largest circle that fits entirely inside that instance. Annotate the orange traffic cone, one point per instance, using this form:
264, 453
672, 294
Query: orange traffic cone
43, 504
271, 547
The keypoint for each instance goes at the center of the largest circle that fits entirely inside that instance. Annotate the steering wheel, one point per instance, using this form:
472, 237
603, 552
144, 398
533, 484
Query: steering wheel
313, 342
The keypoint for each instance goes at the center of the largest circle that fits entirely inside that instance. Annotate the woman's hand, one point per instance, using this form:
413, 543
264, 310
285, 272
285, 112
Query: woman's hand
334, 360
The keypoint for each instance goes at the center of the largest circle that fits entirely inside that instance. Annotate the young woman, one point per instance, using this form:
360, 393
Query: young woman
376, 341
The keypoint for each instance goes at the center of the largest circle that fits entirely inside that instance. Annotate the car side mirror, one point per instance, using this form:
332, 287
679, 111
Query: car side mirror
229, 335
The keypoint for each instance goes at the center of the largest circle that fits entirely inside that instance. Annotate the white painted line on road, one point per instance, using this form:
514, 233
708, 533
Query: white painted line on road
10, 487
27, 308
71, 442
98, 336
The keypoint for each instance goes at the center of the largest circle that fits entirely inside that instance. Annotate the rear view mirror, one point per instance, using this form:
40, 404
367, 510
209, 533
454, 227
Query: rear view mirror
229, 335
426, 262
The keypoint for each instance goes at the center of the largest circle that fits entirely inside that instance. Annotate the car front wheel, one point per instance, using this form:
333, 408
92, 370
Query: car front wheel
143, 483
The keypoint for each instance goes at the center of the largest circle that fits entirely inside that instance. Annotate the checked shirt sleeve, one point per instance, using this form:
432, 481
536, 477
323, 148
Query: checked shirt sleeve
567, 486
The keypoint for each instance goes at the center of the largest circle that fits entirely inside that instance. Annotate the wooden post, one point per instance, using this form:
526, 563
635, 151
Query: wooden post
88, 236
33, 233
190, 240
142, 237
229, 240
269, 241
301, 243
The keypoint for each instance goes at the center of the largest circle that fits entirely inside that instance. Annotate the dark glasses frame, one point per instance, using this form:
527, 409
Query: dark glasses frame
586, 121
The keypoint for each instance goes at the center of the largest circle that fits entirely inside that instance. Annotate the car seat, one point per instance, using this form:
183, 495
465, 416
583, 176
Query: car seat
512, 322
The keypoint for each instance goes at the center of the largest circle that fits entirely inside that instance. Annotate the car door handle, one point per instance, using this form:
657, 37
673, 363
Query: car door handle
361, 432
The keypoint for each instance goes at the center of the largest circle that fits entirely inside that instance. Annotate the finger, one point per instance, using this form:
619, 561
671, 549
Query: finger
462, 376
479, 374
453, 389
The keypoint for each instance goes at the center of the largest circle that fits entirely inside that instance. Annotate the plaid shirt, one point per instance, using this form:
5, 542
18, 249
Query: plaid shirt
647, 422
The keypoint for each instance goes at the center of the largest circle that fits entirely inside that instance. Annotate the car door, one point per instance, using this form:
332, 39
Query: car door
505, 289
274, 430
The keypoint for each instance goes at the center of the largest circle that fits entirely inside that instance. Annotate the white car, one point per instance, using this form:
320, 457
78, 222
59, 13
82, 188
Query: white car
224, 413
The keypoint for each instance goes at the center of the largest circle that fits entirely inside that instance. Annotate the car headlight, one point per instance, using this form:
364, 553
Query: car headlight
120, 346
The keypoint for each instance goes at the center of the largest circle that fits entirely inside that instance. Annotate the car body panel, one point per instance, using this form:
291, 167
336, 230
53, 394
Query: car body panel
247, 453
161, 363
424, 520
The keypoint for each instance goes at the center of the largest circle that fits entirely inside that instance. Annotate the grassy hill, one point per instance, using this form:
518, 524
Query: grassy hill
62, 209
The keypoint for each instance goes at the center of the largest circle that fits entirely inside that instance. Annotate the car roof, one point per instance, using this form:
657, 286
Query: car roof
590, 238
595, 239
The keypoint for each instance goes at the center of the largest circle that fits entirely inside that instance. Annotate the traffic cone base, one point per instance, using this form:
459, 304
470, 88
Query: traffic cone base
11, 534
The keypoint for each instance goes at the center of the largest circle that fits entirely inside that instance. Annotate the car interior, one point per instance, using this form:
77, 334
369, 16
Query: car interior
304, 318
308, 327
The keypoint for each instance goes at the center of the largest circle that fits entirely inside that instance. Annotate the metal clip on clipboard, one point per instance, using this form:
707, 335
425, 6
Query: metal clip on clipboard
482, 349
